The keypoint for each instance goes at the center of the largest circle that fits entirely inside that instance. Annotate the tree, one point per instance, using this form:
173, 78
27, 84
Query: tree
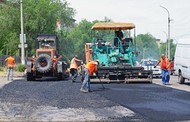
40, 17
162, 49
146, 45
9, 31
73, 41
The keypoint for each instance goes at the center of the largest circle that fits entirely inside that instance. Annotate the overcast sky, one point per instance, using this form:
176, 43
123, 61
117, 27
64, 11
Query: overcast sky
147, 15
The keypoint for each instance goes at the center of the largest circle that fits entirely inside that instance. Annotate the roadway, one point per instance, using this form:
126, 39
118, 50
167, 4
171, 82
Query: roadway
51, 100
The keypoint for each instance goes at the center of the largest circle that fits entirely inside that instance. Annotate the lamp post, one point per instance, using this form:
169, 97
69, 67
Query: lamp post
168, 40
166, 43
22, 35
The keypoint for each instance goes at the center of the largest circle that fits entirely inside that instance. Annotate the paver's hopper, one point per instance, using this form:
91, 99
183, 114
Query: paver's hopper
117, 56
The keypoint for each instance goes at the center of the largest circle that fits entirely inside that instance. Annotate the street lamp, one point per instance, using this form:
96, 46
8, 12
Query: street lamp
168, 40
166, 43
22, 35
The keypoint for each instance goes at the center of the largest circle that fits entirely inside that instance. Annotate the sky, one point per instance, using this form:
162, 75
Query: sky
147, 15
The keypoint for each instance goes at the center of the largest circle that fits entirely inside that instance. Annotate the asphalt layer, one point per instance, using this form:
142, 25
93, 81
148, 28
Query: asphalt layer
149, 102
60, 94
158, 103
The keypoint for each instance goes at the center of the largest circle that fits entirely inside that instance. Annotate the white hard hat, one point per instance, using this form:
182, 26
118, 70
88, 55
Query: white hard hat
96, 63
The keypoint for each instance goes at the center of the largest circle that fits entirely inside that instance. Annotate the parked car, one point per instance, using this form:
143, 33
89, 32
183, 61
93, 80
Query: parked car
149, 64
182, 59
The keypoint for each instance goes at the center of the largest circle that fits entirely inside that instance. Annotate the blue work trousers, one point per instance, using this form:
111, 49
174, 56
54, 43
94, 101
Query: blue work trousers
86, 82
165, 76
10, 72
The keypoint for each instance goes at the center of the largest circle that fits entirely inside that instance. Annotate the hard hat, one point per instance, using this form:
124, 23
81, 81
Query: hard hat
96, 63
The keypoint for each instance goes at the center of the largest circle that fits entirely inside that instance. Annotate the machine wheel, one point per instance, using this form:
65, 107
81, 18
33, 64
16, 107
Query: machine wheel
43, 63
30, 76
181, 79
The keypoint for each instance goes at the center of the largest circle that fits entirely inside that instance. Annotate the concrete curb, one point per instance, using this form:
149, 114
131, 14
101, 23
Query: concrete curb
16, 74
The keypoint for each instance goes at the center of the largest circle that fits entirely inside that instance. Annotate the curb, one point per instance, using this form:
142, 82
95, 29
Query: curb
16, 74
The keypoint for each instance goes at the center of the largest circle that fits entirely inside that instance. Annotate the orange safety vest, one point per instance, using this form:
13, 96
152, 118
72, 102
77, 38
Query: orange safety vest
91, 66
10, 62
32, 59
55, 59
74, 64
164, 63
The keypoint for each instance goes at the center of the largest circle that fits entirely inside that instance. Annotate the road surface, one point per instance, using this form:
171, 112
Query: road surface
51, 100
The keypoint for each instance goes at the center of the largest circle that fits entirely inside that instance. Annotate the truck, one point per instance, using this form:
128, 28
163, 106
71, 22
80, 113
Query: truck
46, 62
181, 60
117, 56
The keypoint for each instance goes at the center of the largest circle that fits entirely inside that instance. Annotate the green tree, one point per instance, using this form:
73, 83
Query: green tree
147, 46
162, 48
40, 17
73, 41
10, 27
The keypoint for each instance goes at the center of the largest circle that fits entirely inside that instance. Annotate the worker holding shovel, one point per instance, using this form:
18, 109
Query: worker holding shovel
89, 69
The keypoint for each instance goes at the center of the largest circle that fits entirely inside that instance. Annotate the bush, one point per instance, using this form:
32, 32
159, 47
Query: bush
20, 68
1, 69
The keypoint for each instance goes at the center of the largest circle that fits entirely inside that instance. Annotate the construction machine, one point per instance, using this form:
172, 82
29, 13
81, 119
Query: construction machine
116, 55
46, 62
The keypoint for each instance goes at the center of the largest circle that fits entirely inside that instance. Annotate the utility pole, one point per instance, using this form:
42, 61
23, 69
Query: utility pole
22, 35
166, 43
168, 40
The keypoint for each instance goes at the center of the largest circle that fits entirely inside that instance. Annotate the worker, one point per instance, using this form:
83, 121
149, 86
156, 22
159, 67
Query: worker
89, 69
55, 60
10, 66
170, 69
32, 58
119, 34
164, 66
172, 66
74, 68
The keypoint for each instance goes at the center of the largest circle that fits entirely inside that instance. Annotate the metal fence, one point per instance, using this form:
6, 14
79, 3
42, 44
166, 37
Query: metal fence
3, 63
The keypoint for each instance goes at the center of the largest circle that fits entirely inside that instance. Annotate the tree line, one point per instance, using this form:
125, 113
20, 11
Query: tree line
40, 17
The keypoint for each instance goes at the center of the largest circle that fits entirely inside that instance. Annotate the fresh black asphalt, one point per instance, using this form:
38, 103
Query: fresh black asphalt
150, 102
158, 103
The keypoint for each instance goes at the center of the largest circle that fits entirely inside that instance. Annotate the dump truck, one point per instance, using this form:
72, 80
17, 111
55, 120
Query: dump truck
46, 62
117, 56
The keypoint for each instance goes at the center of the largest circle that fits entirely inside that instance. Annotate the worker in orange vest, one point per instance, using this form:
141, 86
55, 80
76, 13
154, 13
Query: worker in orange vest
171, 66
32, 58
164, 66
55, 60
74, 67
89, 69
10, 66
